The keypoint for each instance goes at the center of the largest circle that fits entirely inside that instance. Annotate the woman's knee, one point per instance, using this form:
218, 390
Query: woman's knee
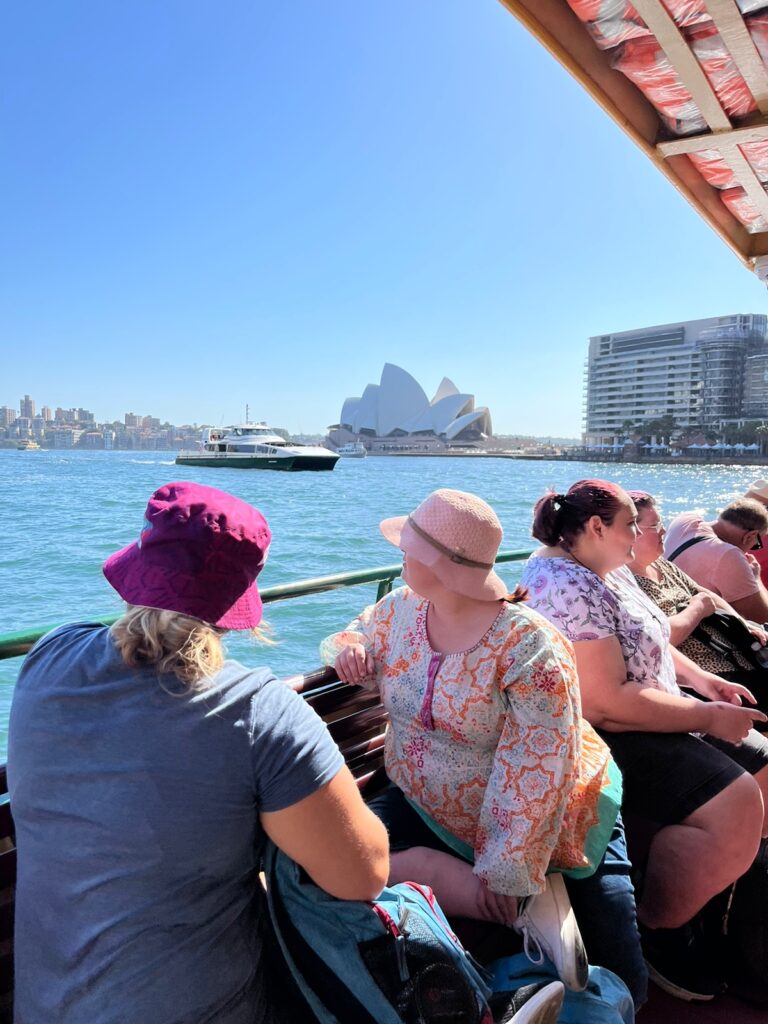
433, 867
733, 823
761, 778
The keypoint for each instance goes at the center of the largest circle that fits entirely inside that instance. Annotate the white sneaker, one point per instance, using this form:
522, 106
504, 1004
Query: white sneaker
548, 926
541, 1005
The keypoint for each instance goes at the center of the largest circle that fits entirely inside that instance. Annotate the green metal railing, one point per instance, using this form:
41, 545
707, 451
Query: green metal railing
14, 645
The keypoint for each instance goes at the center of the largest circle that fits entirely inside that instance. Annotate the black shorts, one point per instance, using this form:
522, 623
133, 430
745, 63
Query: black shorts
668, 776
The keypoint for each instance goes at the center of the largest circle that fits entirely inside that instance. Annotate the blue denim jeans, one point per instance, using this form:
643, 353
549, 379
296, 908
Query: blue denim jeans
604, 905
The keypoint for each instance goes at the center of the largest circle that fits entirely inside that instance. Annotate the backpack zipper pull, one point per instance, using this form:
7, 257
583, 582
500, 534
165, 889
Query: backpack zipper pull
398, 935
402, 963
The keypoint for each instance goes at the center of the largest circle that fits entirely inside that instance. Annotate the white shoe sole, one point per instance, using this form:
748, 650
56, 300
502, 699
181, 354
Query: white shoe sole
543, 1008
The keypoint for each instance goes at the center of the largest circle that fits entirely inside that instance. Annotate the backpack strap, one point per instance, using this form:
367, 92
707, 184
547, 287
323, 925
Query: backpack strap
683, 547
306, 965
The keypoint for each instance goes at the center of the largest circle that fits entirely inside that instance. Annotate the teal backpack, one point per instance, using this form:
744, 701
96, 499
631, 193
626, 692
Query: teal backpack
396, 960
388, 961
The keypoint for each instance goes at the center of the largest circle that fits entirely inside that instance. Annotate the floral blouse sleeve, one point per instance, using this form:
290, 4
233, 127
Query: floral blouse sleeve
535, 765
365, 629
576, 601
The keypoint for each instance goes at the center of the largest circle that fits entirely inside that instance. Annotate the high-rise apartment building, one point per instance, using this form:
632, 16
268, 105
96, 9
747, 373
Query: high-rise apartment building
27, 407
695, 372
755, 401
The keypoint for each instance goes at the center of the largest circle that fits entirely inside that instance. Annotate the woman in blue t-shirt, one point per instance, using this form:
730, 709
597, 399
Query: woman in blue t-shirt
146, 772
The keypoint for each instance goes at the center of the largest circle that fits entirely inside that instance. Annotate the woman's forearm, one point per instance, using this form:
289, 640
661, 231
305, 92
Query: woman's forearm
641, 708
682, 624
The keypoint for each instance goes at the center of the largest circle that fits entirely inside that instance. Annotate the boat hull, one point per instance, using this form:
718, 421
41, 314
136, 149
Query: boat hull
231, 460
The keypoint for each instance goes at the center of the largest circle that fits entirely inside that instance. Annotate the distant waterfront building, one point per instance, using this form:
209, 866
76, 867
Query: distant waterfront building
398, 408
7, 416
132, 420
694, 372
27, 407
755, 405
46, 413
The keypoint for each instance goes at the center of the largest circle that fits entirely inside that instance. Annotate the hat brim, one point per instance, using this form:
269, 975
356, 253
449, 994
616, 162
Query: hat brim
138, 581
478, 583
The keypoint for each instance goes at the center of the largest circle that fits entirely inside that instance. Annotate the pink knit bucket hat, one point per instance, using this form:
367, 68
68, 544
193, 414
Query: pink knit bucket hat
456, 535
199, 554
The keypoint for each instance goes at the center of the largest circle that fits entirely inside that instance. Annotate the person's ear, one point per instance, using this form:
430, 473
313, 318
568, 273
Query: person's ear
596, 525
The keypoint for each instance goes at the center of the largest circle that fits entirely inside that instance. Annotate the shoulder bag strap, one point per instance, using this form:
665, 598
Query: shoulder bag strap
686, 544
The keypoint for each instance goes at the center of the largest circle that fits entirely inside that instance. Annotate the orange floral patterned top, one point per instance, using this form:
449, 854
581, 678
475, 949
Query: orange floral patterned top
490, 742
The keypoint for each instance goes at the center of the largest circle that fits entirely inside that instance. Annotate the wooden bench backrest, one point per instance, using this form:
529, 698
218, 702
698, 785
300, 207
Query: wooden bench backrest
356, 721
355, 718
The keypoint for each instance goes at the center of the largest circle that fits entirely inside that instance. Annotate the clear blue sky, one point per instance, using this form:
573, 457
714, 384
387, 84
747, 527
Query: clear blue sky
207, 204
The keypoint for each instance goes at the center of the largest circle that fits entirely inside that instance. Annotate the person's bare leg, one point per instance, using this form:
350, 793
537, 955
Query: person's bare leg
761, 778
691, 862
451, 879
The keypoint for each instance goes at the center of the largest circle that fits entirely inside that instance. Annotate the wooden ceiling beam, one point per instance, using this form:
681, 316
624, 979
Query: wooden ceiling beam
683, 60
729, 22
714, 140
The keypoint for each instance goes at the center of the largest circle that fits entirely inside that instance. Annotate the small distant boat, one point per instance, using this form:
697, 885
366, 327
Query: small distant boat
255, 446
353, 450
28, 445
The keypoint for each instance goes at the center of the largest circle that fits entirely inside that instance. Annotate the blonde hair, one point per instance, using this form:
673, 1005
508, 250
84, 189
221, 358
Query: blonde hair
171, 642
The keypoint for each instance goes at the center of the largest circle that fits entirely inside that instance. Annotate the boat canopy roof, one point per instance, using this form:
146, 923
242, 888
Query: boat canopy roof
687, 80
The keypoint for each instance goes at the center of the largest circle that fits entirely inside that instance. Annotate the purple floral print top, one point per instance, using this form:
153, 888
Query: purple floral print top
585, 607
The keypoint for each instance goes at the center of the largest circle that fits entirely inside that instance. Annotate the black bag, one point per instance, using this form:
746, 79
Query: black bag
746, 932
725, 633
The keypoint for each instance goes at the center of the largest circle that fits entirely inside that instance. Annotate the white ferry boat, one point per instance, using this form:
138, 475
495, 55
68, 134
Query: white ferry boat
353, 450
28, 445
255, 446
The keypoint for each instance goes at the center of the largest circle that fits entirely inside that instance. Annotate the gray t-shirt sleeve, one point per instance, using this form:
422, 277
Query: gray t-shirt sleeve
292, 752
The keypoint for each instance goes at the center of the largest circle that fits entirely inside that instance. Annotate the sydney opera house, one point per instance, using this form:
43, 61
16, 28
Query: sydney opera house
397, 409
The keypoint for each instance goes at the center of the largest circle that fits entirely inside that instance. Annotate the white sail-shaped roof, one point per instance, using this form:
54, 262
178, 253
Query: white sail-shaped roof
398, 404
348, 412
448, 409
401, 398
480, 417
447, 387
367, 415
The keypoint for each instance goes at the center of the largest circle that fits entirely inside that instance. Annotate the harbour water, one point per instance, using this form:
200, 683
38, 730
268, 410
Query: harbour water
64, 512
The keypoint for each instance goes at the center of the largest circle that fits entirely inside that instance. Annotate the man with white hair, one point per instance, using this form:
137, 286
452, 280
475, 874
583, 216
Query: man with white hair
720, 556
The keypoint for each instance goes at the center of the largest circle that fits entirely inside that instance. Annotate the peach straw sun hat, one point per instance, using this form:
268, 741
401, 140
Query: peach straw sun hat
456, 535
